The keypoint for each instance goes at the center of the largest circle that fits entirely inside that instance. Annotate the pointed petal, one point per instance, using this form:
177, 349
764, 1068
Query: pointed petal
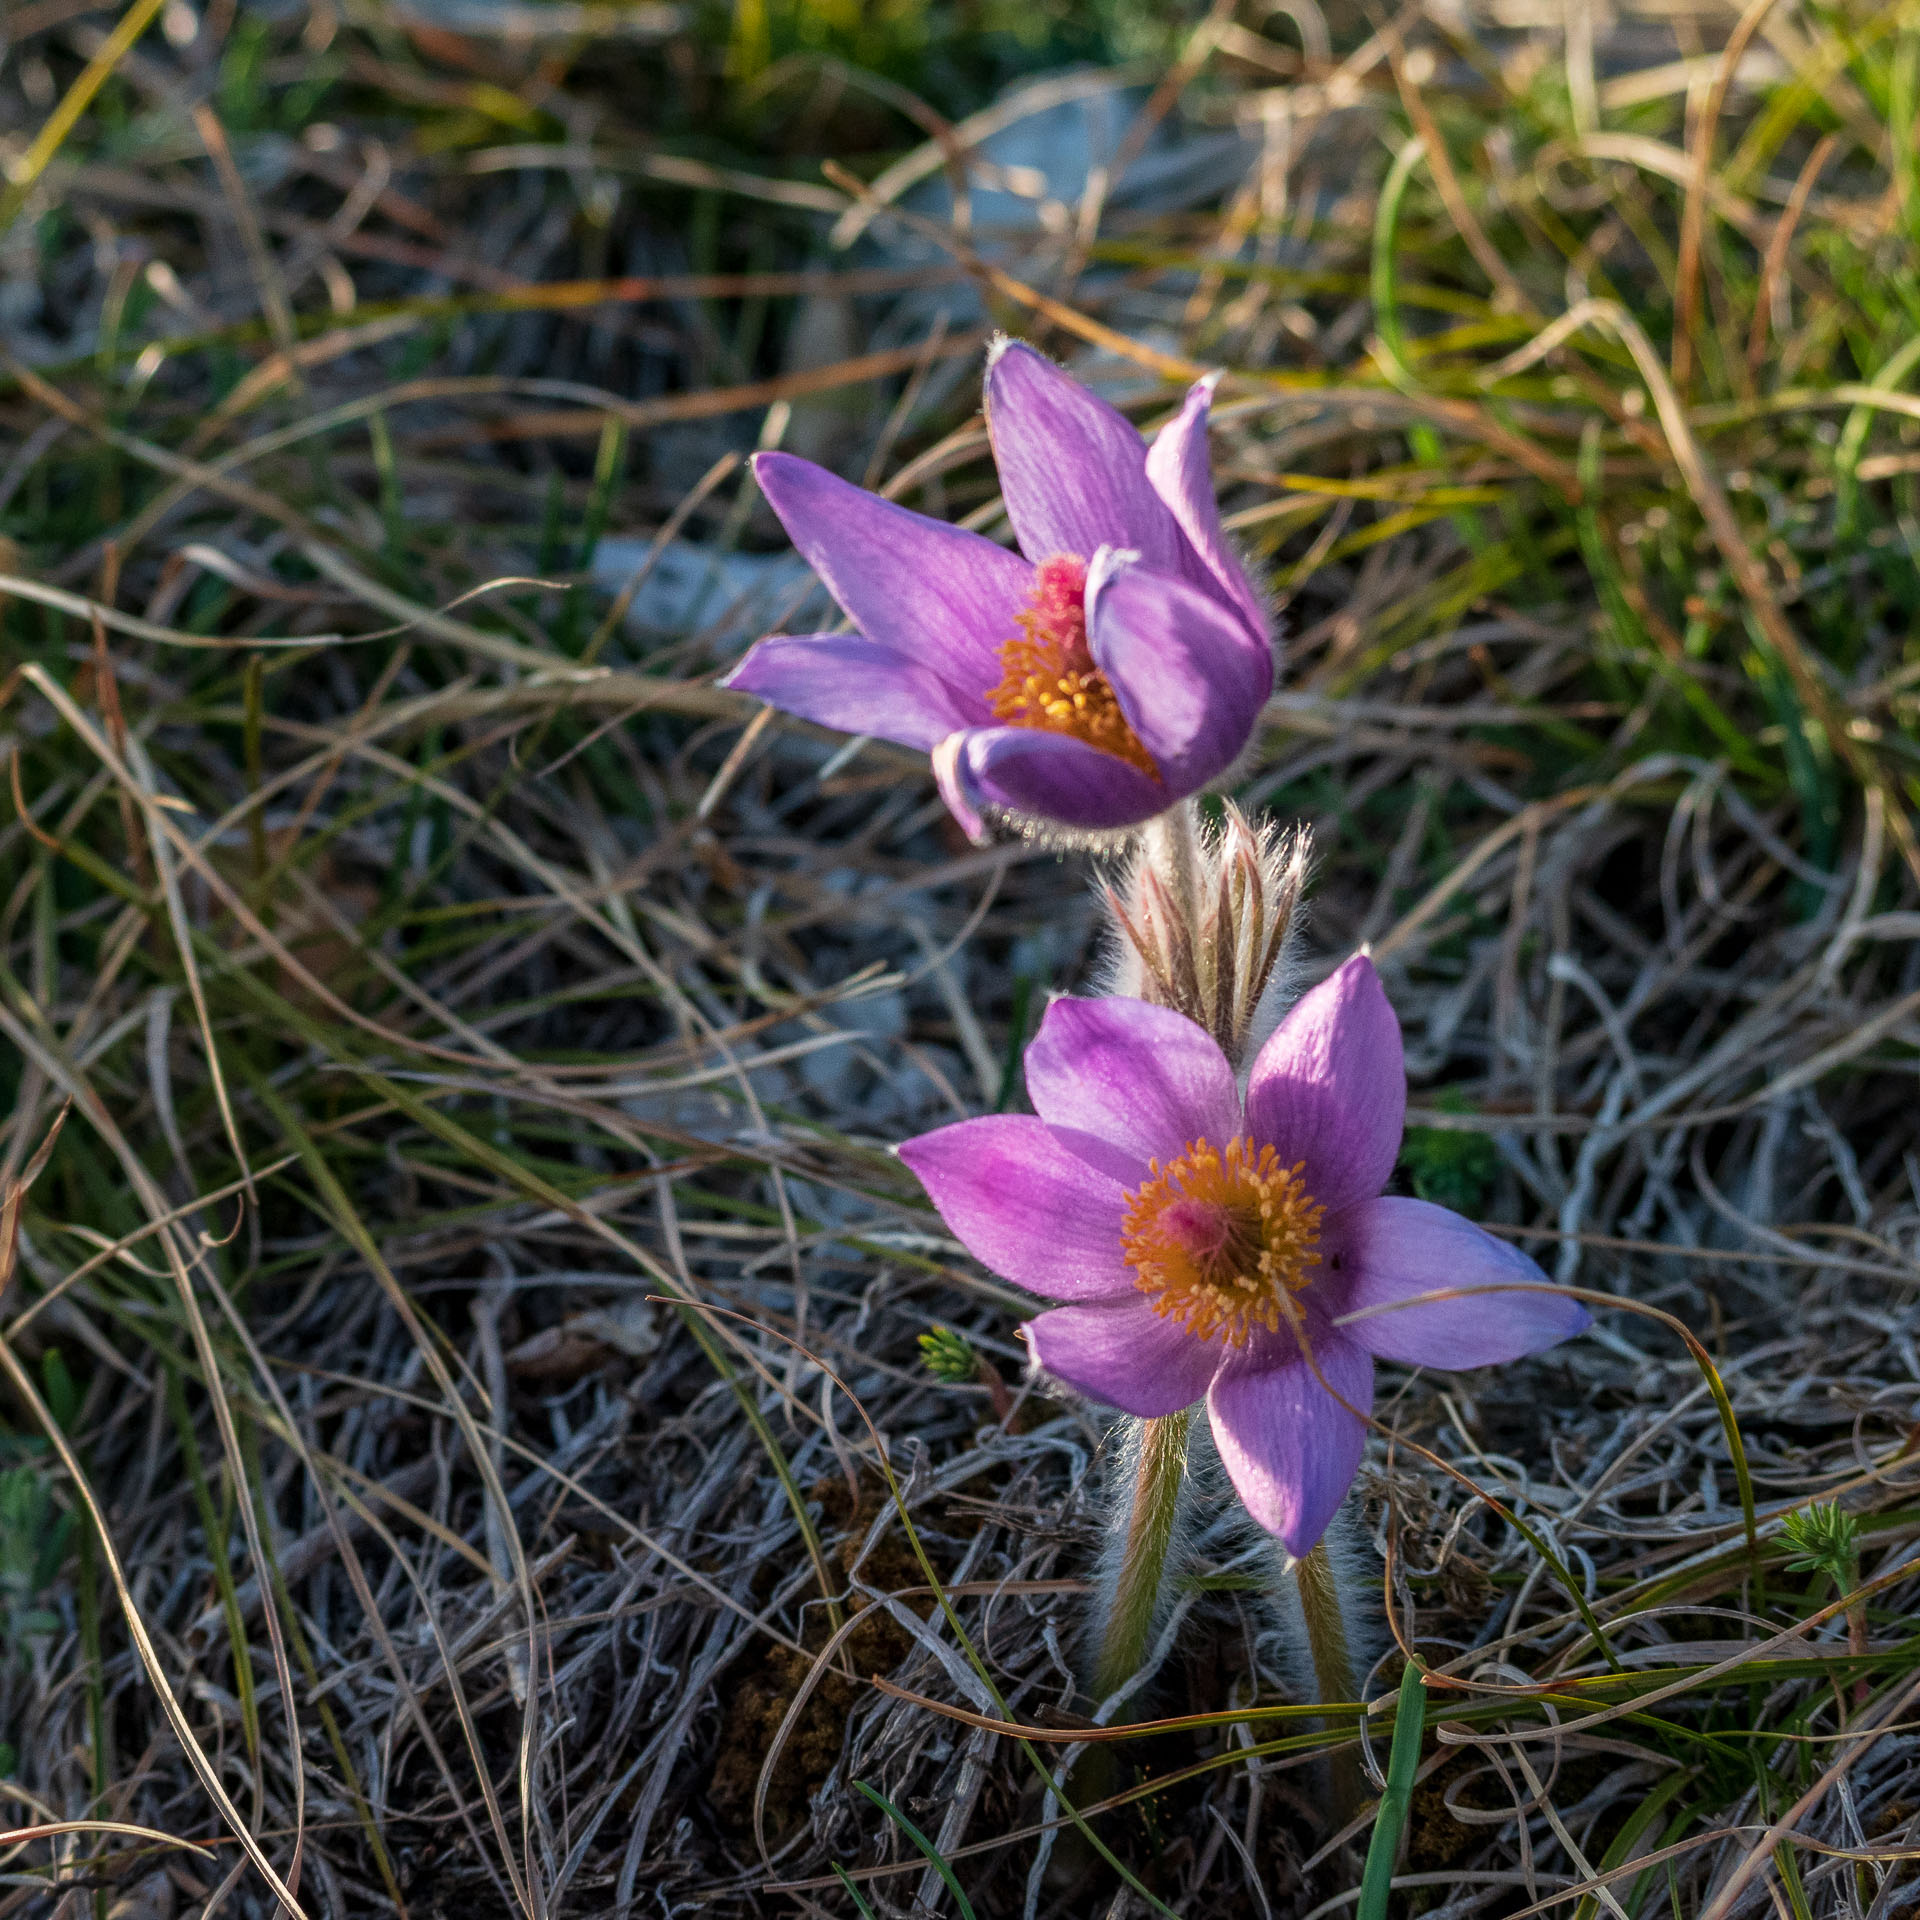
1330, 1088
1290, 1449
1072, 470
1144, 1078
859, 685
1025, 1206
1397, 1249
1190, 678
937, 593
949, 778
1051, 777
1125, 1355
1179, 471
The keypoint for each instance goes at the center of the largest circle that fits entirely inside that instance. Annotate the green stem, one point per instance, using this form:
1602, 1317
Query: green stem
1144, 1520
1857, 1641
1319, 1590
1159, 1473
1173, 848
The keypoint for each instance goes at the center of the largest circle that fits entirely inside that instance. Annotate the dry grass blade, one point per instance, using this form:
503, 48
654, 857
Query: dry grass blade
149, 1657
422, 1464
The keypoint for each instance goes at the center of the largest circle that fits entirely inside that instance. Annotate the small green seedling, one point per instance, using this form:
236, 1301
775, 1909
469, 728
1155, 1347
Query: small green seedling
1825, 1539
949, 1356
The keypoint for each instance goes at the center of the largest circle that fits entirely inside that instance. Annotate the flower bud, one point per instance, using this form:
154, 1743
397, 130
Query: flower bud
948, 1355
1202, 919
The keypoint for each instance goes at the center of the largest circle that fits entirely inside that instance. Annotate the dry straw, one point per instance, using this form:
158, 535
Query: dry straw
437, 983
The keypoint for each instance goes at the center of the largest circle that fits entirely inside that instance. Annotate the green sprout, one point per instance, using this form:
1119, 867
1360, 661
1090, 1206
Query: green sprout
948, 1355
1824, 1539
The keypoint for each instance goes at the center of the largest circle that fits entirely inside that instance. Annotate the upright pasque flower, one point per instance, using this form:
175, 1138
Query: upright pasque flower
1116, 667
1236, 1251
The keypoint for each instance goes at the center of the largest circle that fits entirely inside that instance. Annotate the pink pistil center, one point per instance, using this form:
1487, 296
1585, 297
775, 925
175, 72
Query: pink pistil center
1048, 678
1223, 1240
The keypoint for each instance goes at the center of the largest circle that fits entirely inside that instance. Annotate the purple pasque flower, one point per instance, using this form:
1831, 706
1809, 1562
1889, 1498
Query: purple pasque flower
1236, 1250
1115, 668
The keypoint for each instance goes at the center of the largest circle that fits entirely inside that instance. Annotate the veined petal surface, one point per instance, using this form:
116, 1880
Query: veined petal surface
1189, 676
1291, 1449
1330, 1087
859, 685
1025, 1205
1072, 470
1144, 1078
1180, 471
1398, 1249
1123, 1354
1049, 776
935, 592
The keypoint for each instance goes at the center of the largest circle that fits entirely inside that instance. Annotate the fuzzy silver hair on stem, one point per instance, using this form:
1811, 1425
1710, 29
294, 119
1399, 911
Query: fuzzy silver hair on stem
1203, 921
1328, 1631
1145, 1552
1049, 836
1145, 1542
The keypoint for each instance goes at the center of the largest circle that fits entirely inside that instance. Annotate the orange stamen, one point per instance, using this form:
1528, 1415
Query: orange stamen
1048, 678
1222, 1241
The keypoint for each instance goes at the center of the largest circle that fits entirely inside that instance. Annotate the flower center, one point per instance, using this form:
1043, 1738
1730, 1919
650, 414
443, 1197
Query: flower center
1221, 1240
1048, 679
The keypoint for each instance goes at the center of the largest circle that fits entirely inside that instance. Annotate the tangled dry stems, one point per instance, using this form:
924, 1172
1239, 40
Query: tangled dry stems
473, 1373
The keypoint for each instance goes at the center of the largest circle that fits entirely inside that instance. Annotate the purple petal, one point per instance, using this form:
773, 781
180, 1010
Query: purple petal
1396, 1249
1125, 1355
1190, 678
1179, 471
1048, 776
1026, 1206
859, 685
1118, 1163
947, 776
1290, 1449
1072, 470
1330, 1088
1144, 1078
937, 593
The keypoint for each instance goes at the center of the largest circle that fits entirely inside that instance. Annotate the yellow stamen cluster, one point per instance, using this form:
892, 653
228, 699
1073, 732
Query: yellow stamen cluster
1223, 1240
1048, 678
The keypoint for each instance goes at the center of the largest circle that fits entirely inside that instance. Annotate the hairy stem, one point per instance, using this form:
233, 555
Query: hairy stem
1174, 849
1325, 1619
1159, 1458
1135, 1580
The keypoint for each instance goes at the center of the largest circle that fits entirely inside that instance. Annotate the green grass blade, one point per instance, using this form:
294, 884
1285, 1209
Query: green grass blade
853, 1893
1403, 1762
921, 1841
1637, 1822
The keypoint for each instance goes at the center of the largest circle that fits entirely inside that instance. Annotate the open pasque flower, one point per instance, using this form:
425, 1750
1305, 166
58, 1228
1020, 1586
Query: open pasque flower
1210, 1247
1115, 668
